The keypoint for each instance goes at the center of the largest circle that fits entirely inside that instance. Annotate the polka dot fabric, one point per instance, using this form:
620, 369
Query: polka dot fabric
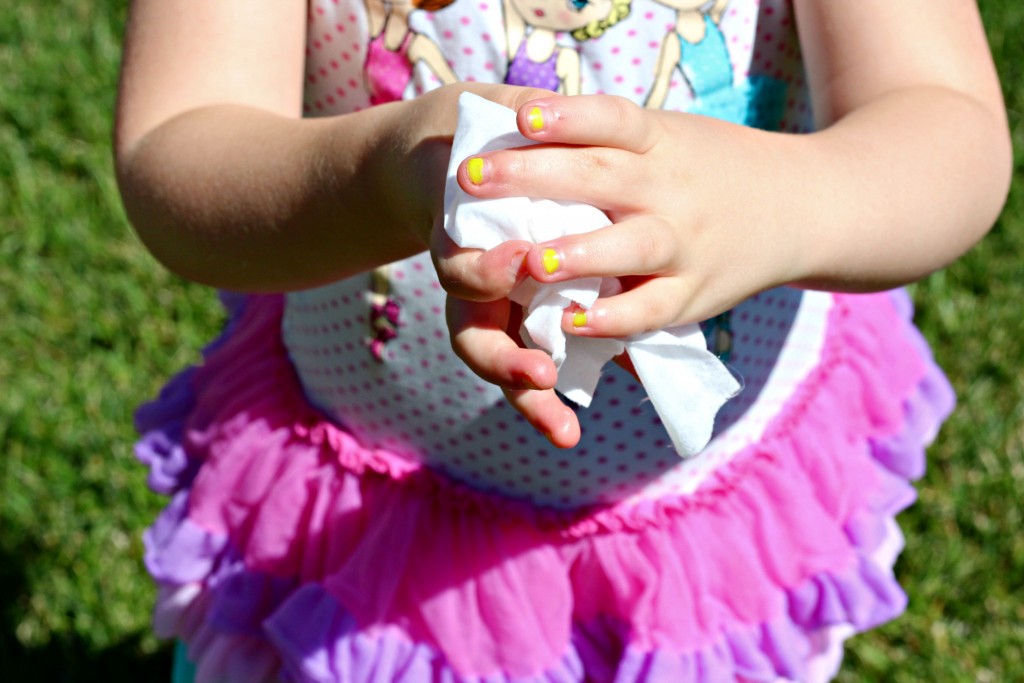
420, 401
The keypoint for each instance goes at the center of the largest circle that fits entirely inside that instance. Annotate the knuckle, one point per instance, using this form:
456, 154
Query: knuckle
511, 164
448, 276
656, 313
651, 129
458, 279
595, 167
648, 247
623, 113
660, 237
596, 160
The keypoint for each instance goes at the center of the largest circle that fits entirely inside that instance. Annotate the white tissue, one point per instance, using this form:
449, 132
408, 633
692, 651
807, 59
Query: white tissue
686, 383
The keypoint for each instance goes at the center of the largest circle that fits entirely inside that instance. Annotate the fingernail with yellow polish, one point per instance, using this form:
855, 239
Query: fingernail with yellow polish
475, 170
579, 319
551, 261
535, 118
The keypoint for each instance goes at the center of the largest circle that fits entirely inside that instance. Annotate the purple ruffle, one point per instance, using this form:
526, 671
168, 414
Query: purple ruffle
161, 422
178, 551
863, 597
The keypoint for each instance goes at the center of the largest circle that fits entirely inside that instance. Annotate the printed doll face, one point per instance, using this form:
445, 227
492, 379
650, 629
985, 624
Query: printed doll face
562, 15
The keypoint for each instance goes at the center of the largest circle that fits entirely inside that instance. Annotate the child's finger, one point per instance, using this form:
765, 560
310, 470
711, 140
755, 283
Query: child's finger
526, 376
641, 245
593, 120
480, 338
591, 175
652, 305
548, 415
477, 275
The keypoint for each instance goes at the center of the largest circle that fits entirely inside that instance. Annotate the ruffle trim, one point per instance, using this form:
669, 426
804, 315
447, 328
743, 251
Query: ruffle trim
250, 392
319, 642
285, 498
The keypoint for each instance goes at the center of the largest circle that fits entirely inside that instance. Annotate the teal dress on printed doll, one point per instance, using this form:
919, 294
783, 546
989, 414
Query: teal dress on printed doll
345, 507
757, 100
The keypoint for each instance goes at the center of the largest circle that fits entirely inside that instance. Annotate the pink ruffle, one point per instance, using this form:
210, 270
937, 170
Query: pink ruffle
502, 589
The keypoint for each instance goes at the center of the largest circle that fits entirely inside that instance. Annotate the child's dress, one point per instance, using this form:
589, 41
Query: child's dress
335, 516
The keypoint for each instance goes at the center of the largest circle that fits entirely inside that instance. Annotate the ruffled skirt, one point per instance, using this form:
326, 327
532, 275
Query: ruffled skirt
290, 552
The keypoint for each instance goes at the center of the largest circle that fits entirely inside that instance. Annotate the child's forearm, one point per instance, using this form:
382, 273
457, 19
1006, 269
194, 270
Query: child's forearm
241, 198
899, 188
914, 160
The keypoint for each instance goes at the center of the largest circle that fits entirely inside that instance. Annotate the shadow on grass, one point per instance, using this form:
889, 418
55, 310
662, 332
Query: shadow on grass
67, 657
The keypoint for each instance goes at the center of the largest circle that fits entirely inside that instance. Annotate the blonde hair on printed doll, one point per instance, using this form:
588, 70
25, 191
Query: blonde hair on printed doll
619, 11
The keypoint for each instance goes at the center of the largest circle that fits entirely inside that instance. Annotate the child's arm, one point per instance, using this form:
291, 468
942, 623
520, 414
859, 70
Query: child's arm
228, 186
910, 169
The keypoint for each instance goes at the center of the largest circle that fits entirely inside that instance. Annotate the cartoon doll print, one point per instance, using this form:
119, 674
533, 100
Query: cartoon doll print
392, 54
532, 27
696, 47
395, 48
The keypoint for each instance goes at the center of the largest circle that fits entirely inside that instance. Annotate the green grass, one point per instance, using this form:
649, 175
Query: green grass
92, 326
91, 323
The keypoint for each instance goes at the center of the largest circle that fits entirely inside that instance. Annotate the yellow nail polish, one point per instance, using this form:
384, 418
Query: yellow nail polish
535, 118
550, 260
579, 318
475, 170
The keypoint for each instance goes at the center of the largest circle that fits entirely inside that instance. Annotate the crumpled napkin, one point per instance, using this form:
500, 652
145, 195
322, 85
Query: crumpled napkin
686, 383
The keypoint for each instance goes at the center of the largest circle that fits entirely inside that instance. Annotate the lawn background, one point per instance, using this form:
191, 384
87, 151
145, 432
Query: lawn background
92, 326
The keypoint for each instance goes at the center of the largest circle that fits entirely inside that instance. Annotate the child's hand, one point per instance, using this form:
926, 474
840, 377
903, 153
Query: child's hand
693, 203
484, 328
483, 322
688, 239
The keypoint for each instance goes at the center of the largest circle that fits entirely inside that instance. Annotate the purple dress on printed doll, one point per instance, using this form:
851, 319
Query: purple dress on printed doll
526, 72
339, 517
